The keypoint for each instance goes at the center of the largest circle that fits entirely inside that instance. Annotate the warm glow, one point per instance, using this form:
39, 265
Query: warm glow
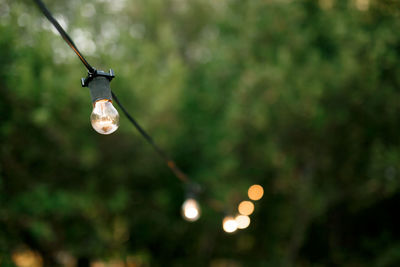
242, 221
190, 210
229, 224
256, 192
246, 207
27, 258
104, 118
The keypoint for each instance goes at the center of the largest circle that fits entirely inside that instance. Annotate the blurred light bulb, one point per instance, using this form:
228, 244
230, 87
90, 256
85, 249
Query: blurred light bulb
242, 221
229, 224
190, 210
104, 118
246, 207
256, 192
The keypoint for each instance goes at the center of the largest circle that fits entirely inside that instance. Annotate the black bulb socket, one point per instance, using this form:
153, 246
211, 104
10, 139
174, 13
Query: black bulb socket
99, 84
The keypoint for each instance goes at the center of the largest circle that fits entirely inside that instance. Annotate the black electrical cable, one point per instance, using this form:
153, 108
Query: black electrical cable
170, 163
63, 34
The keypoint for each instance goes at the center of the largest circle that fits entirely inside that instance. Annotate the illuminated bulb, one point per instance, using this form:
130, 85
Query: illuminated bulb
229, 224
242, 221
246, 207
256, 192
104, 118
190, 210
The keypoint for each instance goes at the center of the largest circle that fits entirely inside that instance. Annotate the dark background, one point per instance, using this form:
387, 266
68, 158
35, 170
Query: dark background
302, 97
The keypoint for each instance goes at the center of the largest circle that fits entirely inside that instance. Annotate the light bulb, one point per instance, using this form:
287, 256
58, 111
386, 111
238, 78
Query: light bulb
246, 207
256, 192
190, 210
229, 224
242, 221
104, 118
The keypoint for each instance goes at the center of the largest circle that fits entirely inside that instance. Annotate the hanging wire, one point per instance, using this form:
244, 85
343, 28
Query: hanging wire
216, 205
170, 163
63, 34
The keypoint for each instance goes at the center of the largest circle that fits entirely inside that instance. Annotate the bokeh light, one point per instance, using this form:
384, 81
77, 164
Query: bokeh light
191, 210
256, 192
246, 207
229, 224
242, 221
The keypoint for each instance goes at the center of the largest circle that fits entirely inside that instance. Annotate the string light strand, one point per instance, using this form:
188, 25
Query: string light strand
230, 224
170, 163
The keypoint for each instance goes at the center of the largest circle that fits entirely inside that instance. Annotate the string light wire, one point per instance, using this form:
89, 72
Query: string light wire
216, 205
170, 163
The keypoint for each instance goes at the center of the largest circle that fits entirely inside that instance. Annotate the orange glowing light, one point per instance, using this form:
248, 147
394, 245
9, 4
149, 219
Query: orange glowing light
246, 207
27, 258
256, 192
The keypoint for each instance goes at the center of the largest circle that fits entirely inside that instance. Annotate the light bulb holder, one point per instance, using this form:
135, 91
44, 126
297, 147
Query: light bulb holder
99, 84
91, 75
192, 190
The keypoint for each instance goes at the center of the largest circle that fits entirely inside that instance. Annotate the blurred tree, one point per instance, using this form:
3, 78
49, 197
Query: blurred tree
299, 96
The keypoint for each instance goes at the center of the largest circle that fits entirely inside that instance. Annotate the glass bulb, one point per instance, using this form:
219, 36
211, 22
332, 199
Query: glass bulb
256, 192
229, 224
246, 207
190, 210
104, 118
242, 221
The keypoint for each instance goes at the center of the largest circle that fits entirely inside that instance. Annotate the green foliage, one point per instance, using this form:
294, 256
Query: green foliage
299, 96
